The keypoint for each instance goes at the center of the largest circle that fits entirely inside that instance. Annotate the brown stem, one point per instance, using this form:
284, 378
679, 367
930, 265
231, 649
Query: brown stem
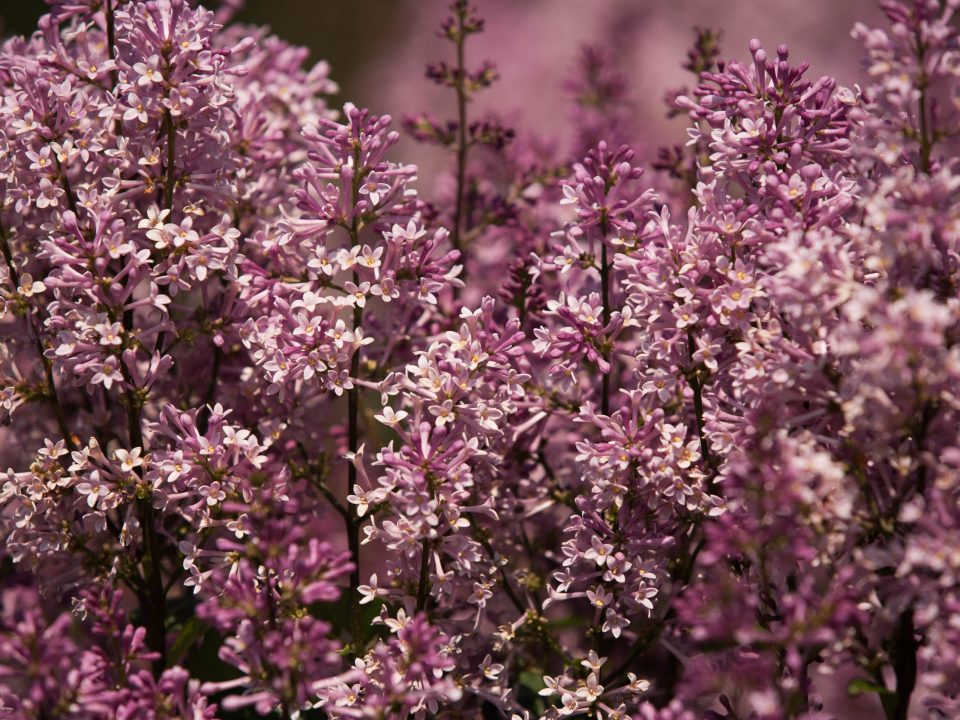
926, 143
696, 385
58, 413
461, 89
353, 425
169, 184
353, 441
505, 580
65, 183
203, 418
904, 656
605, 293
153, 601
605, 312
423, 585
111, 35
169, 179
111, 50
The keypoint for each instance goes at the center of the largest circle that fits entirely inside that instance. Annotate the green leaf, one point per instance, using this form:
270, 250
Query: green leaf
192, 631
204, 663
565, 623
339, 614
532, 680
859, 686
528, 694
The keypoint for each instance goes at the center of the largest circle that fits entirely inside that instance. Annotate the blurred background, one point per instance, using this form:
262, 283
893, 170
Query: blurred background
378, 48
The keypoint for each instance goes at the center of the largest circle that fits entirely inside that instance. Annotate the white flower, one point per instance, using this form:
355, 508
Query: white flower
591, 690
637, 685
361, 499
391, 418
593, 661
614, 623
371, 592
30, 287
490, 669
129, 460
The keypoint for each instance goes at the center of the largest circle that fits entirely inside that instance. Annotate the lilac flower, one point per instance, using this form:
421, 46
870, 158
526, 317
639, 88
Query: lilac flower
669, 450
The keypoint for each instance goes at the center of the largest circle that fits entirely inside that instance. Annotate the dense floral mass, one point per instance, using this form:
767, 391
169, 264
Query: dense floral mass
584, 435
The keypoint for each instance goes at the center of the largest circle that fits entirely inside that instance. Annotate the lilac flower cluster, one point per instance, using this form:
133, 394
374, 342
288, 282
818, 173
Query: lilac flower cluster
588, 434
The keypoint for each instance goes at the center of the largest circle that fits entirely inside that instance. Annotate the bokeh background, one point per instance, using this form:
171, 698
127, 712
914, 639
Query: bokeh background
378, 48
